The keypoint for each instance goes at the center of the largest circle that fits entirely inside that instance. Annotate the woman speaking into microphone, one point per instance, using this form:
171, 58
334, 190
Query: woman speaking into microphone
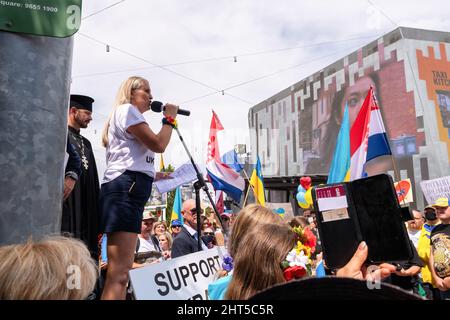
130, 150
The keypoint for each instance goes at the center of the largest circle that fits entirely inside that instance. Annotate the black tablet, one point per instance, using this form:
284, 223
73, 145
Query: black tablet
362, 210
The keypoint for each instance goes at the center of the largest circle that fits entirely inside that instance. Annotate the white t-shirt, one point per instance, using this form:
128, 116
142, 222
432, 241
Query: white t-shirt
124, 151
146, 245
193, 233
414, 236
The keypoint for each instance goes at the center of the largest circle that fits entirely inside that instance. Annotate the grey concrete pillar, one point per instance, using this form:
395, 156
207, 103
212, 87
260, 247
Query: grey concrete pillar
34, 94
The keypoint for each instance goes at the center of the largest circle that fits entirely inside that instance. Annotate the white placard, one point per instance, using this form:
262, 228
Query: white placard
435, 189
184, 174
181, 278
332, 203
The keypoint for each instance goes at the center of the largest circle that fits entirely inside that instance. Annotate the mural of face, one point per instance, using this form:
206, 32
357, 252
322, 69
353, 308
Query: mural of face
355, 96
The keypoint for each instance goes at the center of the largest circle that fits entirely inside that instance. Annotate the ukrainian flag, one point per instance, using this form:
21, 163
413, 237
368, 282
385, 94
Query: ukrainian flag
256, 181
176, 209
340, 165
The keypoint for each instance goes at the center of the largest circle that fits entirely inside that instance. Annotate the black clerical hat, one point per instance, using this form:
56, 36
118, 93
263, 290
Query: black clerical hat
81, 102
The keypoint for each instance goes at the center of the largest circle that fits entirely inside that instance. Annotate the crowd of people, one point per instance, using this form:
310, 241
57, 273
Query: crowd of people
106, 231
47, 264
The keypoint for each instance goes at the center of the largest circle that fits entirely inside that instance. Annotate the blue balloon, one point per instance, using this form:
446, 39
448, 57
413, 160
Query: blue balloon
300, 188
301, 197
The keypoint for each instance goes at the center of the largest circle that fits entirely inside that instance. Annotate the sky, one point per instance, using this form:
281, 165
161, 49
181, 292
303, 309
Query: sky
222, 55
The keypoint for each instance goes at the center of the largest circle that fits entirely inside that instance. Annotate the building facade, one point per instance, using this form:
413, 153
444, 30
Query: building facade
294, 132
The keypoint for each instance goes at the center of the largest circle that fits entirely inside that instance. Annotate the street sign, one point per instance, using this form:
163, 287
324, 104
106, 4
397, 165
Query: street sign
51, 18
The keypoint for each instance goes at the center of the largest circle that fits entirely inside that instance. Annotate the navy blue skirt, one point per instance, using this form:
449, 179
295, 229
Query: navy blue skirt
122, 202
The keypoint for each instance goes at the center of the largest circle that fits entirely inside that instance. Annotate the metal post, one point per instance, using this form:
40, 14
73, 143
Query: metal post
34, 94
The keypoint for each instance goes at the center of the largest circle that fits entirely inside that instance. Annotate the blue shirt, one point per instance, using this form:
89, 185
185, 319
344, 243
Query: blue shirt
217, 289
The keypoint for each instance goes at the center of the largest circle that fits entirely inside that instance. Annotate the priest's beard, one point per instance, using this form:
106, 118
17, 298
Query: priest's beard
82, 123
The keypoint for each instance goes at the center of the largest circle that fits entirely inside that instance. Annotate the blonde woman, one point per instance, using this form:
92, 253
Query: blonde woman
165, 242
127, 182
56, 268
159, 228
256, 272
252, 217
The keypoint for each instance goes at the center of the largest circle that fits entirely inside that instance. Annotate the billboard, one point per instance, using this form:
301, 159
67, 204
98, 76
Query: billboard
294, 132
396, 106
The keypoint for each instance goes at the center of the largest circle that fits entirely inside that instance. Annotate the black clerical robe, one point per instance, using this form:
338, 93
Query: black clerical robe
81, 209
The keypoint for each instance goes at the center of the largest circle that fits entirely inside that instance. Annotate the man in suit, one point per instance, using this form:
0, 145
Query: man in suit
186, 241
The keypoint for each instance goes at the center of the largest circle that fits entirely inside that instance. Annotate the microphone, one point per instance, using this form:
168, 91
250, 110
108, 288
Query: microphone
157, 106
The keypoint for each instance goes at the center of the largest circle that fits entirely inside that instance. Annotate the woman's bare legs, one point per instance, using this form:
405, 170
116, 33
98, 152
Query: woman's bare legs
121, 249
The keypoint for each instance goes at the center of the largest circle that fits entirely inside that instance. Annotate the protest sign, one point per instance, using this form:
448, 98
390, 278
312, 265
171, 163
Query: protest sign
436, 188
182, 278
404, 191
286, 206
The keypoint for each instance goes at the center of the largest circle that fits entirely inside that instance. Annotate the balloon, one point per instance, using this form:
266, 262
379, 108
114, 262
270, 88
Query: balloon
301, 189
303, 205
305, 182
308, 196
301, 197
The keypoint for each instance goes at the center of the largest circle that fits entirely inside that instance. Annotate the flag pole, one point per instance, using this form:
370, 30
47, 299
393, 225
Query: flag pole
246, 194
396, 172
246, 175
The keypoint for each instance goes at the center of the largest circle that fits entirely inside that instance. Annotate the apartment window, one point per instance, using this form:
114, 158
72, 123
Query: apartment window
294, 142
286, 161
419, 121
272, 118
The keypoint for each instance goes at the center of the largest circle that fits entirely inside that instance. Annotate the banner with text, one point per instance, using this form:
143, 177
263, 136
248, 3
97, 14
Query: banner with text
435, 189
183, 278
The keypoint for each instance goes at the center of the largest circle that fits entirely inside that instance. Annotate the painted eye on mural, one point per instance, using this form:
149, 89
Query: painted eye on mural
353, 101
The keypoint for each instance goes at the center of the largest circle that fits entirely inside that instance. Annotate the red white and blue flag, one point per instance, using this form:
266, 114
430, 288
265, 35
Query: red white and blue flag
378, 141
221, 176
368, 138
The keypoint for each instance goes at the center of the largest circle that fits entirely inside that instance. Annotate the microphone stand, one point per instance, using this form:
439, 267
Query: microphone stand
201, 184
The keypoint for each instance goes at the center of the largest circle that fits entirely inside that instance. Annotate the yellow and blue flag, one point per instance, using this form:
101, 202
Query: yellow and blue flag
176, 209
340, 165
256, 181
